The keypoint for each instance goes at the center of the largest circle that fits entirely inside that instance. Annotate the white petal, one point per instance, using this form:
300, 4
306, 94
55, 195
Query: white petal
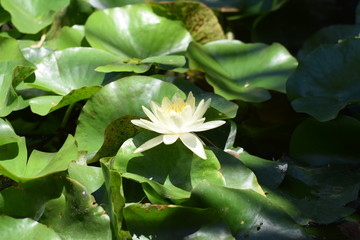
170, 139
152, 117
191, 100
201, 108
150, 144
207, 126
149, 125
192, 142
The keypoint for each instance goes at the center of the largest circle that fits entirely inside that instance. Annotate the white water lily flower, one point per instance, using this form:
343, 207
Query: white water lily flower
177, 119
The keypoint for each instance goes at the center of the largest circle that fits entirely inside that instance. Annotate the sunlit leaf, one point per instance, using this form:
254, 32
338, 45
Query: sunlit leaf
90, 177
25, 229
69, 69
141, 33
30, 16
243, 71
115, 197
13, 70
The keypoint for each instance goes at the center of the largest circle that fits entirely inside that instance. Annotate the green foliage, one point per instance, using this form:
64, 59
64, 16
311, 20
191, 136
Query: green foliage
282, 75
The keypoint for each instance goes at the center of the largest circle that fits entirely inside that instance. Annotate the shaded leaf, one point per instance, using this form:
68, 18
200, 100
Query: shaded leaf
247, 213
148, 220
75, 215
29, 198
326, 81
319, 144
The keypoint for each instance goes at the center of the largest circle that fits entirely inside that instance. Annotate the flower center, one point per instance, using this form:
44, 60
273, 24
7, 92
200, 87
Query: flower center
177, 107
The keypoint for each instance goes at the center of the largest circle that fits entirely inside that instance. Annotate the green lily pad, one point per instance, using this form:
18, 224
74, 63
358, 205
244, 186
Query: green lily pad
75, 215
140, 66
316, 143
39, 163
29, 198
329, 35
317, 190
170, 165
326, 81
247, 213
158, 193
70, 37
243, 71
25, 229
269, 173
30, 16
148, 220
90, 177
115, 197
14, 69
46, 104
117, 99
116, 133
141, 33
69, 69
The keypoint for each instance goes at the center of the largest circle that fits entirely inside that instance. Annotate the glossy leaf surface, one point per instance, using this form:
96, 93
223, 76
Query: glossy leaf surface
243, 71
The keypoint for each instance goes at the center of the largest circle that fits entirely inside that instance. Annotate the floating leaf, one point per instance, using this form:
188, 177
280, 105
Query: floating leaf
334, 142
14, 69
39, 163
90, 177
69, 69
248, 213
243, 71
148, 220
141, 33
318, 190
25, 229
329, 35
327, 80
115, 197
30, 16
170, 165
76, 216
29, 198
45, 104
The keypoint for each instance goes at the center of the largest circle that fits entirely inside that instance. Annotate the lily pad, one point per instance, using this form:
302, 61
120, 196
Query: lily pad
317, 143
248, 214
30, 16
46, 104
327, 80
136, 31
69, 69
25, 229
14, 69
75, 215
148, 220
160, 163
243, 71
39, 163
